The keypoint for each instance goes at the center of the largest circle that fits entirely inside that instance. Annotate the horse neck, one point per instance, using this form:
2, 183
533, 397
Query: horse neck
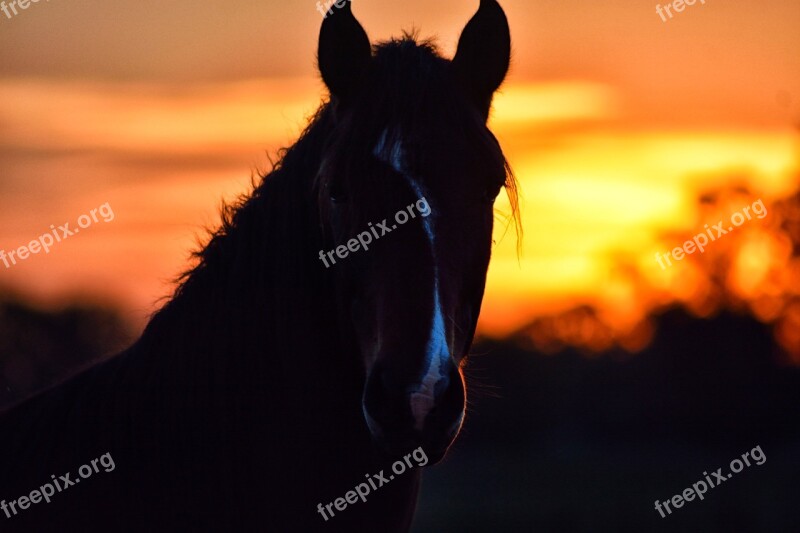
259, 309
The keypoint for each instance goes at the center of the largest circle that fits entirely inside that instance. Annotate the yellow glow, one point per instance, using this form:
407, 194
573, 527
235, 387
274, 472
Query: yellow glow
527, 104
610, 194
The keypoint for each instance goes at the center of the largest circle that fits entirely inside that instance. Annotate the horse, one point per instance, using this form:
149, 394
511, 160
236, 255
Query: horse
318, 341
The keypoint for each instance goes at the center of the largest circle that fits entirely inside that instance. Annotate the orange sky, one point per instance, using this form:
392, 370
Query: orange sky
613, 120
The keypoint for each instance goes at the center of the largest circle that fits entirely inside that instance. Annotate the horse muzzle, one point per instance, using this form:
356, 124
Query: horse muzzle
425, 412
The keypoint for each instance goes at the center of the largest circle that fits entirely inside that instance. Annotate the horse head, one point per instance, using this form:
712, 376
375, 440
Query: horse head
406, 192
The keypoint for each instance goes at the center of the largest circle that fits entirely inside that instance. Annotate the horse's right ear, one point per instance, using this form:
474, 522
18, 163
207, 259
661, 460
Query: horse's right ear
344, 52
483, 54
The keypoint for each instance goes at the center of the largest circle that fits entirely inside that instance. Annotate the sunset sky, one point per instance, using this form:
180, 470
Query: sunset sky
614, 121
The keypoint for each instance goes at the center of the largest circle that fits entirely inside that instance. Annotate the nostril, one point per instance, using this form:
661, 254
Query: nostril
383, 404
398, 405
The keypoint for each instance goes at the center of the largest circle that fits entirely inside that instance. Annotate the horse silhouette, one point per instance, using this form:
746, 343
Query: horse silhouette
292, 365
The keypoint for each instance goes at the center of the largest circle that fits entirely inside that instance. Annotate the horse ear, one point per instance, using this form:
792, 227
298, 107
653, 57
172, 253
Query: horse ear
344, 51
483, 54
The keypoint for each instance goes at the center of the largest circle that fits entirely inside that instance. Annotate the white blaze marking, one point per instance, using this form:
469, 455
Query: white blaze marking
437, 354
436, 357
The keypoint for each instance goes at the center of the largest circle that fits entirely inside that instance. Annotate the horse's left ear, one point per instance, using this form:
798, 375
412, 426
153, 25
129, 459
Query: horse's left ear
344, 52
484, 54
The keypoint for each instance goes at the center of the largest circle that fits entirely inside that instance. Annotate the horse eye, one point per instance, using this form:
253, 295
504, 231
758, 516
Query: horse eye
337, 193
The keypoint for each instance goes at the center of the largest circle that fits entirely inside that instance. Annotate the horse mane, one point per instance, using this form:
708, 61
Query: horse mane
294, 163
257, 233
